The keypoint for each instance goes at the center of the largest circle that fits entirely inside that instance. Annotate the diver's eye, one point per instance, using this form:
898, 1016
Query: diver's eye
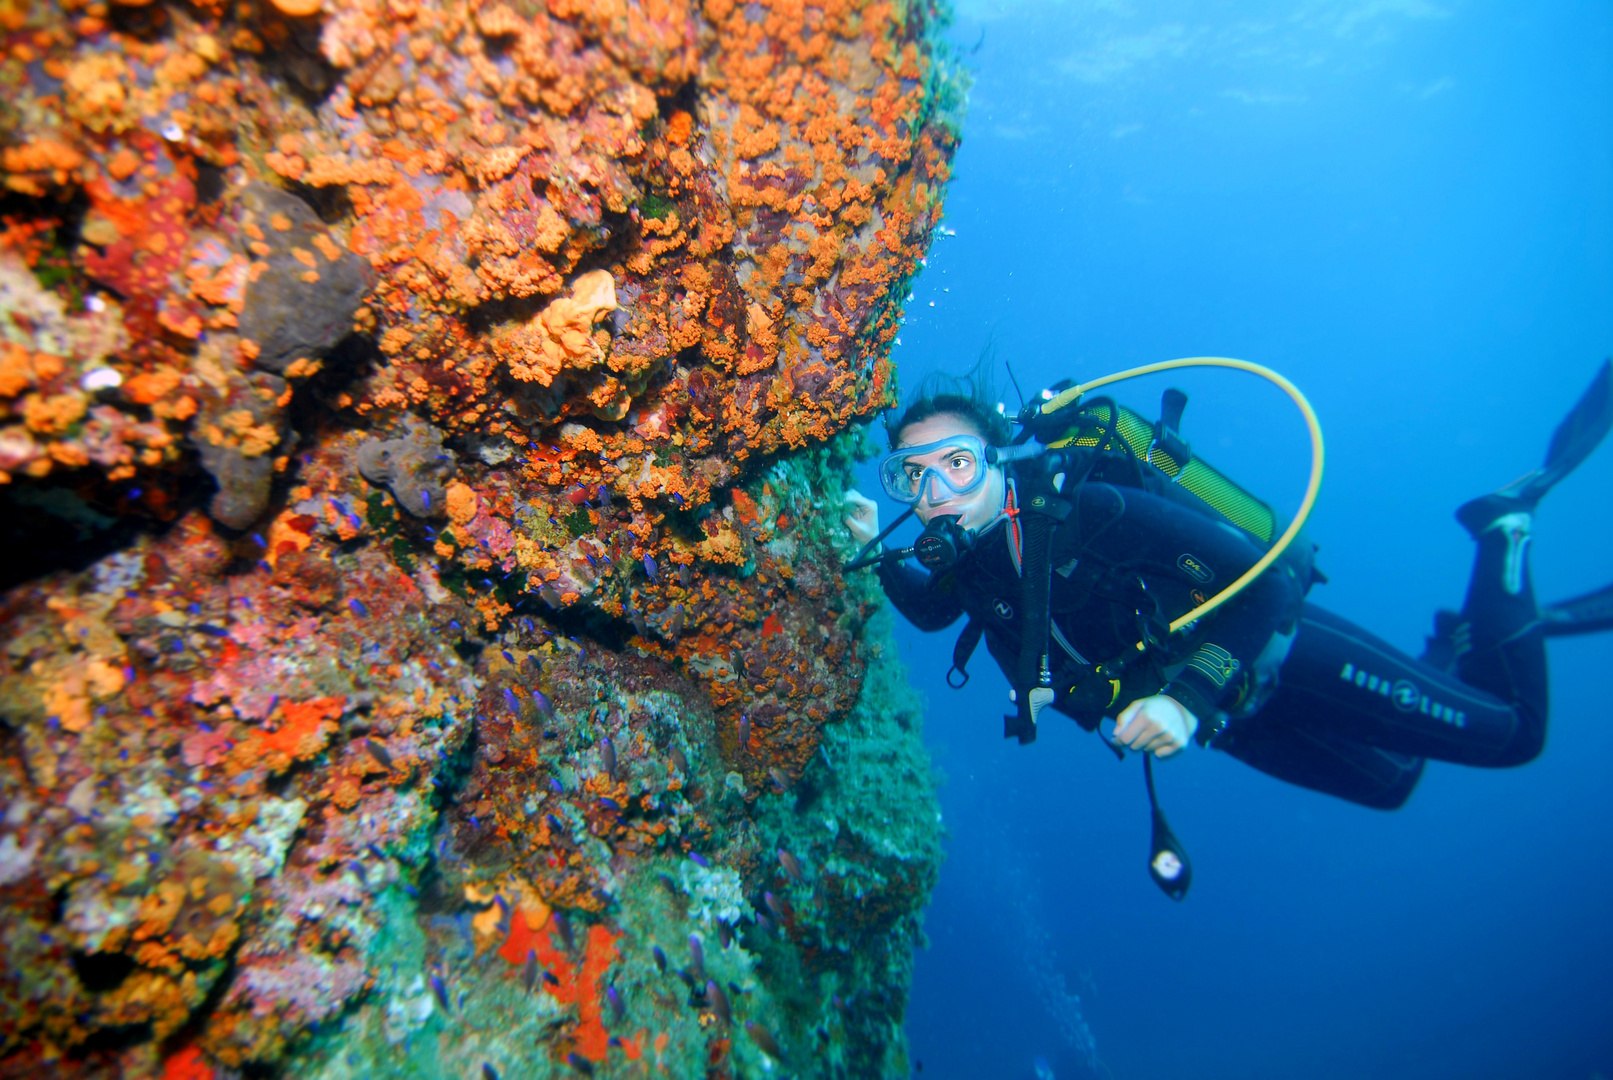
961, 462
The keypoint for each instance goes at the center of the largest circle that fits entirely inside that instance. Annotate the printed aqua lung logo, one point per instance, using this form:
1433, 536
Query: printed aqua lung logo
1195, 568
1406, 695
1003, 609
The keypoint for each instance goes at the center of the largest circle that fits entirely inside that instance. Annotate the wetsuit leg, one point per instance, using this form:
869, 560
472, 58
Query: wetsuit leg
1314, 758
1505, 647
1345, 683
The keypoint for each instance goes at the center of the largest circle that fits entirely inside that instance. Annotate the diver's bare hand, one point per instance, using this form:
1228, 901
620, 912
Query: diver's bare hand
862, 516
1158, 725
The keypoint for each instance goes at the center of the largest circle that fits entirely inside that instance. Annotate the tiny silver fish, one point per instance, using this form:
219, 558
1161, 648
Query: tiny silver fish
378, 752
791, 866
697, 952
607, 756
775, 905
764, 1040
719, 1002
529, 971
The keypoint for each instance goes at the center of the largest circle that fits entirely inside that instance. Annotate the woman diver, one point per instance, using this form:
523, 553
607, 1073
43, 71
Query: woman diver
1268, 677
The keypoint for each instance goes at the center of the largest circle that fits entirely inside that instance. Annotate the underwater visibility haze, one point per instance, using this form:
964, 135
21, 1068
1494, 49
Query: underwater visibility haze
1406, 208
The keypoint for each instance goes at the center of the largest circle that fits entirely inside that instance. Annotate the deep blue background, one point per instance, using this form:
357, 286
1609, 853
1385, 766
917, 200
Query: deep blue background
1408, 209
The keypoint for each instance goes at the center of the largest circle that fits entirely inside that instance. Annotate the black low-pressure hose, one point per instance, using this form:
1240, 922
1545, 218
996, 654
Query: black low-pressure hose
863, 557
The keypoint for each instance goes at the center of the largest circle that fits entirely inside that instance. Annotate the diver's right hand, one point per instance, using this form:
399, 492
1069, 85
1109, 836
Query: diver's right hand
862, 516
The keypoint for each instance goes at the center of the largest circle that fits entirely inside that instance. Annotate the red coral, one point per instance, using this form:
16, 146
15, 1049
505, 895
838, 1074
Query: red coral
582, 986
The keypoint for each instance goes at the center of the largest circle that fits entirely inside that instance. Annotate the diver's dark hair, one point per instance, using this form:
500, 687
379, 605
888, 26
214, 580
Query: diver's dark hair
972, 395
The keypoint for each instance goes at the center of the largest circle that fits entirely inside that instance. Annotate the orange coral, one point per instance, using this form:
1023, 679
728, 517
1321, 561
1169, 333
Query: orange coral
583, 985
305, 728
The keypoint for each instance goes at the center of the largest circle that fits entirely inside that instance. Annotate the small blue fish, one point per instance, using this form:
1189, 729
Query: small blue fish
358, 608
135, 493
508, 656
699, 860
545, 706
258, 539
556, 786
607, 756
488, 1072
649, 567
618, 1008
660, 959
697, 952
677, 499
554, 823
425, 498
609, 803
440, 988
550, 978
563, 925
580, 1063
744, 733
512, 701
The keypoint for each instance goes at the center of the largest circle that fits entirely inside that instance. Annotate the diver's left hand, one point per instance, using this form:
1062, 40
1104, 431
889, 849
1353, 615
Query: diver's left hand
1158, 725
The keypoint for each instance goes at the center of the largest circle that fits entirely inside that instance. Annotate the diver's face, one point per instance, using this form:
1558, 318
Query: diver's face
974, 510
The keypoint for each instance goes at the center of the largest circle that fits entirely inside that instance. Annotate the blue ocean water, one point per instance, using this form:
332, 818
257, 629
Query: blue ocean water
1406, 207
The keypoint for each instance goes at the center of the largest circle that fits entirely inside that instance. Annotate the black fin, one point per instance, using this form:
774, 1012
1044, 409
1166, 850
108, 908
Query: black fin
1580, 432
1582, 615
1586, 426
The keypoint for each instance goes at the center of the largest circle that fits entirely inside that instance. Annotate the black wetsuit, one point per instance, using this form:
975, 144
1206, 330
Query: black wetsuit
1276, 682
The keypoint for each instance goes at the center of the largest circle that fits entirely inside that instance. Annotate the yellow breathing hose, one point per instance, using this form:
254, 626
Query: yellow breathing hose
1074, 393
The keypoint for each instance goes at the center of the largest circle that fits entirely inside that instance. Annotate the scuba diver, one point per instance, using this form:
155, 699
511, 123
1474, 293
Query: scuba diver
1075, 549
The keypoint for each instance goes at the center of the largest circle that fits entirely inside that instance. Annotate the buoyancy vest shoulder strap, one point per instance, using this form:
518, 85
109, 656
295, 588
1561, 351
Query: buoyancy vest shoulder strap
1040, 514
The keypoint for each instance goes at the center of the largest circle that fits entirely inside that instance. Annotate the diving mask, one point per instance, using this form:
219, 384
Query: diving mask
936, 471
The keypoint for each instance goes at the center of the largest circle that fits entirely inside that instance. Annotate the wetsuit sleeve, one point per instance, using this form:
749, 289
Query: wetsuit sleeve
928, 602
1220, 668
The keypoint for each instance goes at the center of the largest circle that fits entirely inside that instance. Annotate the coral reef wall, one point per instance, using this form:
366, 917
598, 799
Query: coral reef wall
423, 433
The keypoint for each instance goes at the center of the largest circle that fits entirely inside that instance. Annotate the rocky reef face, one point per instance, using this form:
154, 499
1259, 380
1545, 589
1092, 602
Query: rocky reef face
423, 431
